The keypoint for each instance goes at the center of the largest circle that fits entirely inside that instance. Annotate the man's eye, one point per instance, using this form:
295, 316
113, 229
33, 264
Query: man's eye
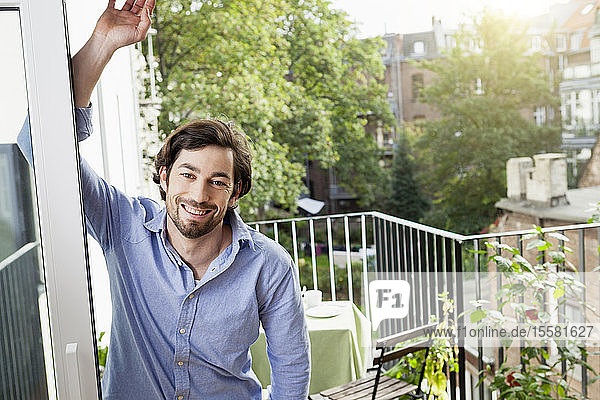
187, 175
219, 183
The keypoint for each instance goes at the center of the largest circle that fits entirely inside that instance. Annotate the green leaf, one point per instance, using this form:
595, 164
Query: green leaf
477, 316
438, 383
537, 243
559, 292
558, 236
561, 391
517, 288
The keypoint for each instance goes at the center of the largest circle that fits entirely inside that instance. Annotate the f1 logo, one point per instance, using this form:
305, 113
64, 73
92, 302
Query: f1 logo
388, 299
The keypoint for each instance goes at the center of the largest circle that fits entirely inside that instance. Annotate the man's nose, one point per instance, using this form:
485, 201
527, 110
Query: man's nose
199, 191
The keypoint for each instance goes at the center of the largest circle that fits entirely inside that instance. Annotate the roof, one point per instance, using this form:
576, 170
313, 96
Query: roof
558, 15
581, 206
583, 22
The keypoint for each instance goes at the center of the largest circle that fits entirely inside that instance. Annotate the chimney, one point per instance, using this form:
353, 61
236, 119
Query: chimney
547, 182
517, 171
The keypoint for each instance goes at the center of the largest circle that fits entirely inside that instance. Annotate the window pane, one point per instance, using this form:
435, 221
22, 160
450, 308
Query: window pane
26, 370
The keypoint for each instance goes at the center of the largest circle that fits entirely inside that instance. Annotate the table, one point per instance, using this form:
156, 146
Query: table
340, 349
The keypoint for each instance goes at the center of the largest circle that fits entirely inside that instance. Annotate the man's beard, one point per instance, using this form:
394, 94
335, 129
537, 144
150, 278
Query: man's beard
194, 229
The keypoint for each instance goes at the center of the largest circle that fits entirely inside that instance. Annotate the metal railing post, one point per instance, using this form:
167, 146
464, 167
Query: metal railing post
313, 255
478, 297
363, 232
348, 259
458, 263
295, 242
330, 252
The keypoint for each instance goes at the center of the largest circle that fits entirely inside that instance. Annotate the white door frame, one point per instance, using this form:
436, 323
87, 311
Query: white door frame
61, 219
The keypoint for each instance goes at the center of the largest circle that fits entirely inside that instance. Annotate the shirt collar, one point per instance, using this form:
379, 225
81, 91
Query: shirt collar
240, 230
157, 223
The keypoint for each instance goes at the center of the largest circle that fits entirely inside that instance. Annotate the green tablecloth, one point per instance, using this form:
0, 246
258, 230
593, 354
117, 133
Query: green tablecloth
340, 349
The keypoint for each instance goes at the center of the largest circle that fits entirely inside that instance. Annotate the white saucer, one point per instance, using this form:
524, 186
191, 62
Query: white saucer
324, 311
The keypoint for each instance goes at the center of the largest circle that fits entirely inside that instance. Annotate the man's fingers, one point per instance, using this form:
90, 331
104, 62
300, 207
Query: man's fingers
145, 23
138, 5
150, 5
128, 4
147, 14
111, 4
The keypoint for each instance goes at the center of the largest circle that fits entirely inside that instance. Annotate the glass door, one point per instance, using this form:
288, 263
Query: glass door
47, 347
26, 366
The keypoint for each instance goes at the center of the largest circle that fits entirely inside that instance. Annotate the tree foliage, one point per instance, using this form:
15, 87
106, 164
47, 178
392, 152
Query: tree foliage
289, 72
484, 86
406, 199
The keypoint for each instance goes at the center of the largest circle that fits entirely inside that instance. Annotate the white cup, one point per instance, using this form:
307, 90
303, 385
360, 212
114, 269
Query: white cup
313, 298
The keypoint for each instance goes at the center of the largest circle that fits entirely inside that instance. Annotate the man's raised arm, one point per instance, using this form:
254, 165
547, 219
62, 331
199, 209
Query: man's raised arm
114, 29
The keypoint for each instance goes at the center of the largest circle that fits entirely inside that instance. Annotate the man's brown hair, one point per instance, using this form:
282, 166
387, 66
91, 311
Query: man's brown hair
205, 132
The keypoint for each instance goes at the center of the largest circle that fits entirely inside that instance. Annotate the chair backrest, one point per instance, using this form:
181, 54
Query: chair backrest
392, 340
425, 332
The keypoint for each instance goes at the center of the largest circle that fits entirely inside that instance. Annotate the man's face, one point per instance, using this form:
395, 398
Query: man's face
200, 189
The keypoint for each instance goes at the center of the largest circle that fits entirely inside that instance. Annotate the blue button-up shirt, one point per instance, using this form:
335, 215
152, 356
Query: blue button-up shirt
176, 338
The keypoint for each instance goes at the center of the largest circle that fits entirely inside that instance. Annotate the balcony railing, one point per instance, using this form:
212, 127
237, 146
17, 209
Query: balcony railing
22, 365
340, 255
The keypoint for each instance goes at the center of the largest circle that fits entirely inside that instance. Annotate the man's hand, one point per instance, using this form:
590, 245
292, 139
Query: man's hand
126, 26
114, 29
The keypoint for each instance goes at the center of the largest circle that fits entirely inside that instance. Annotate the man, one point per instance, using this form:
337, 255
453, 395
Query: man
190, 282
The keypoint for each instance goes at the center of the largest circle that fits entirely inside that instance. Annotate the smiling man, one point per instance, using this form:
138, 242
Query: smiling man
190, 282
202, 169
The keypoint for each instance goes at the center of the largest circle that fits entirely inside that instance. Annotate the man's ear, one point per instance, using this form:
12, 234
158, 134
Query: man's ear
235, 196
162, 174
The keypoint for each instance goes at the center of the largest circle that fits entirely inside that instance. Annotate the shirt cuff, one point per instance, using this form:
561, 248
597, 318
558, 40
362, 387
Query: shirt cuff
83, 122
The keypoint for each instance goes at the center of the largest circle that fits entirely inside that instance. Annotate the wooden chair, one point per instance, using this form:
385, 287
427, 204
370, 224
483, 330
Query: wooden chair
376, 386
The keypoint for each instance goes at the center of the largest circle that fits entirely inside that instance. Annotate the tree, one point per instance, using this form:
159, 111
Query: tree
406, 198
289, 72
483, 86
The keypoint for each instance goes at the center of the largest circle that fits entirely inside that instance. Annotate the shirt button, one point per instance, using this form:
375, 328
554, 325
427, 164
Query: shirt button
182, 331
180, 363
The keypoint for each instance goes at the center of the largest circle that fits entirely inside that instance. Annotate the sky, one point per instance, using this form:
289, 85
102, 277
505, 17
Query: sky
376, 17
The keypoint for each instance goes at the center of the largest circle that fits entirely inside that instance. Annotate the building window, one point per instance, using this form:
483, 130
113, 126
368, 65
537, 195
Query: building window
586, 10
585, 113
475, 45
561, 62
595, 50
417, 85
566, 108
478, 86
450, 41
540, 116
568, 73
419, 47
536, 43
582, 71
576, 38
596, 107
561, 43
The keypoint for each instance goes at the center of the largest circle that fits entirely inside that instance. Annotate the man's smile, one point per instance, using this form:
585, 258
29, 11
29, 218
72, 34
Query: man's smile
195, 212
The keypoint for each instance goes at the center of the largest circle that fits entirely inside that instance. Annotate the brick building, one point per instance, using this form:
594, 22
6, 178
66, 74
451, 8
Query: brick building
404, 79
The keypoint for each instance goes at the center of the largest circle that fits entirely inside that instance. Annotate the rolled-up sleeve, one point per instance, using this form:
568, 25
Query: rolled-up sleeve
83, 122
83, 126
